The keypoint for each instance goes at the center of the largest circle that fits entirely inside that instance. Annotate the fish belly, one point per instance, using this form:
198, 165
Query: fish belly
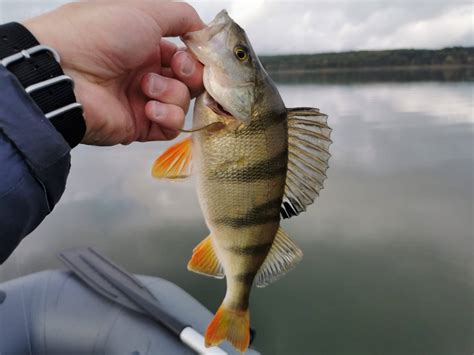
241, 177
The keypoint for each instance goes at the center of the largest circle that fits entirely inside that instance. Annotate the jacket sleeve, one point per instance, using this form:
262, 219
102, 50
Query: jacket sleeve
34, 164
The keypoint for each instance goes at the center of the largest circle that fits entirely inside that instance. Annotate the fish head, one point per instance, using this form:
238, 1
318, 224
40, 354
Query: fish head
232, 71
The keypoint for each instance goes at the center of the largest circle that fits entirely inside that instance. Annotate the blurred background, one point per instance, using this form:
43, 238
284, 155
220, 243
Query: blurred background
388, 265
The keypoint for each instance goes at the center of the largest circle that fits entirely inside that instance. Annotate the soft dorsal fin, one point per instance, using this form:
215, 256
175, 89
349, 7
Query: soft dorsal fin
282, 257
175, 162
204, 260
308, 155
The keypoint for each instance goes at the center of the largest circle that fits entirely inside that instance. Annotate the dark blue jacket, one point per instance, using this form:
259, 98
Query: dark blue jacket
34, 164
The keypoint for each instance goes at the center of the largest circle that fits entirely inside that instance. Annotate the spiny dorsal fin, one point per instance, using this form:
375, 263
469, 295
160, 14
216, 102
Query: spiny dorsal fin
282, 257
175, 162
308, 155
204, 260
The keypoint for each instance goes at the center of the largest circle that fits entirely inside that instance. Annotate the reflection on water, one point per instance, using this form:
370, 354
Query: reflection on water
388, 257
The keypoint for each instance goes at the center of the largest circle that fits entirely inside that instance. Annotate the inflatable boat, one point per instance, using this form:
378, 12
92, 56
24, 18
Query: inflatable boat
96, 307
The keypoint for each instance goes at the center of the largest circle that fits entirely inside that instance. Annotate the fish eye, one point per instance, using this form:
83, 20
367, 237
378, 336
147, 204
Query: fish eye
241, 53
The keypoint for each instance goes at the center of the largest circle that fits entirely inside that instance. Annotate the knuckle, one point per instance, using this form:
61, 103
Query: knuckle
179, 90
70, 7
184, 90
187, 7
179, 113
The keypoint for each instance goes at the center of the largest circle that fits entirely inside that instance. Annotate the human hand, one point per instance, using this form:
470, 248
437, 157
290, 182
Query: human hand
134, 85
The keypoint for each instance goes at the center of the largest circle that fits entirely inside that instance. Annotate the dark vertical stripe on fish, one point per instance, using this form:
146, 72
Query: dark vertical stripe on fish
247, 221
256, 249
242, 302
263, 170
271, 120
246, 278
265, 207
267, 212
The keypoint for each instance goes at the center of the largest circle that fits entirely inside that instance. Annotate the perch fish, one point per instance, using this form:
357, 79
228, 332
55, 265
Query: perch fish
256, 162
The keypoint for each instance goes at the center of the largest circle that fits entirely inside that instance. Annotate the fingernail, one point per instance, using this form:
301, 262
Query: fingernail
188, 65
159, 111
157, 84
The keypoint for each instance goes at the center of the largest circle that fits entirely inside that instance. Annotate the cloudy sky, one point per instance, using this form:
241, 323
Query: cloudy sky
322, 26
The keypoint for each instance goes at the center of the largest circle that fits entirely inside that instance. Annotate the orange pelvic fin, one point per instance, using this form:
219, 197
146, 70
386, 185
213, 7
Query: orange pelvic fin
175, 162
204, 260
229, 324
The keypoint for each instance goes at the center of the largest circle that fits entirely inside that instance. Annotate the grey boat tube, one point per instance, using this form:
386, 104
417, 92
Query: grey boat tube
53, 312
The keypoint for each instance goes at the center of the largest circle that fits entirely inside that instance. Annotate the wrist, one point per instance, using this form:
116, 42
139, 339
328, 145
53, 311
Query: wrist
41, 29
38, 71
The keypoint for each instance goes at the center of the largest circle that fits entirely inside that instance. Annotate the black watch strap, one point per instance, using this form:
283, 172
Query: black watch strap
38, 68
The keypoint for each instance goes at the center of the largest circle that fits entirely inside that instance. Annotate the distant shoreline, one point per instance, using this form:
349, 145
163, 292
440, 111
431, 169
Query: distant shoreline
373, 69
401, 59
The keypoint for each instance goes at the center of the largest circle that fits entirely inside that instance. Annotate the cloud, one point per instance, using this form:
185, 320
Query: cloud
452, 27
321, 26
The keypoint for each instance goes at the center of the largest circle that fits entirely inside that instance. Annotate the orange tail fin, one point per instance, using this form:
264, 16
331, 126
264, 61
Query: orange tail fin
230, 324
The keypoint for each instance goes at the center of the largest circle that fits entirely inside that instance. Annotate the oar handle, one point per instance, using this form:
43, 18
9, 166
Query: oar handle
195, 341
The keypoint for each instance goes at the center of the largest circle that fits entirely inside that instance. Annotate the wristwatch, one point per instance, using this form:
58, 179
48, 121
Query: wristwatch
38, 69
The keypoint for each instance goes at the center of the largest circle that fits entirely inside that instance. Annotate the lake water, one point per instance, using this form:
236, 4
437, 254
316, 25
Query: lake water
388, 265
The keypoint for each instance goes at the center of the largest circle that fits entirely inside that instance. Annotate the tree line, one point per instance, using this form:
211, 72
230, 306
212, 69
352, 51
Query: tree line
370, 59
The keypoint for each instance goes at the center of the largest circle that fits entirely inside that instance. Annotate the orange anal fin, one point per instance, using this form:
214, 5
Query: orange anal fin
231, 325
204, 260
175, 162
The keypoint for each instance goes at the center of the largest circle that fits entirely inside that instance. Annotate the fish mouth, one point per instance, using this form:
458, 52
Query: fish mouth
216, 107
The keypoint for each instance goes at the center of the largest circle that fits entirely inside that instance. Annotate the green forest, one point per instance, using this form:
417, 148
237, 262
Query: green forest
455, 56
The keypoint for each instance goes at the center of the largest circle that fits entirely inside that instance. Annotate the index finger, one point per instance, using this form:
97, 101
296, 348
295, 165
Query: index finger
175, 18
